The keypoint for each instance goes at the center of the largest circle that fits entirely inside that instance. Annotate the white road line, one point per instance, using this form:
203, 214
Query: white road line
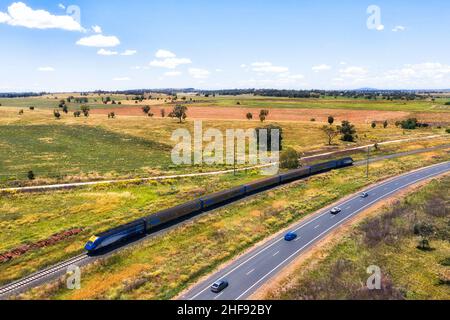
298, 238
317, 226
304, 224
321, 234
276, 253
217, 297
250, 272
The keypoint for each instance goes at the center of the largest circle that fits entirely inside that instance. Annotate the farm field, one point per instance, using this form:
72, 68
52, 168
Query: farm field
387, 240
148, 270
80, 149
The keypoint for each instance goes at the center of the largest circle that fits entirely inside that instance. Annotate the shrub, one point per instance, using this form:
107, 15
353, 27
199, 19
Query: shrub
249, 116
347, 131
289, 159
30, 175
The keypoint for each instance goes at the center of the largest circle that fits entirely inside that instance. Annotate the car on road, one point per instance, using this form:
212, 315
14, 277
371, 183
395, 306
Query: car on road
364, 195
219, 286
290, 236
335, 210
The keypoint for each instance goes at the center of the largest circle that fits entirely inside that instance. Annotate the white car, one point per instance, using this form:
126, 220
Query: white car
335, 210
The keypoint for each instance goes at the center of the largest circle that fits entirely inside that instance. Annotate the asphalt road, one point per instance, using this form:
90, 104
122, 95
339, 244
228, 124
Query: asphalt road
252, 270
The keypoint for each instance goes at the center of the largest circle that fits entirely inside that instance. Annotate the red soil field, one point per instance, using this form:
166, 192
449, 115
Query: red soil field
222, 113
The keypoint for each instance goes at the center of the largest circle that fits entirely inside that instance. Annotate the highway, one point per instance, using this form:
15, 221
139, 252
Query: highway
252, 270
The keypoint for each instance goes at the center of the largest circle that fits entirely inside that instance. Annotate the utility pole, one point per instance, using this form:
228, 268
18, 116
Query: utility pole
234, 162
368, 158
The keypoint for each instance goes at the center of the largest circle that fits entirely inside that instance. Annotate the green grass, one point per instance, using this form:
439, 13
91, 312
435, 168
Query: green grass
161, 267
56, 150
327, 103
387, 241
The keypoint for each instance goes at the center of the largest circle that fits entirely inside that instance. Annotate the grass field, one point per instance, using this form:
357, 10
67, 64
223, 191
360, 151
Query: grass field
161, 267
77, 149
387, 241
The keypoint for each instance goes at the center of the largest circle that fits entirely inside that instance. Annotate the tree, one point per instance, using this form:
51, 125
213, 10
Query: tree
268, 142
21, 112
163, 113
85, 110
347, 131
31, 175
374, 125
179, 112
289, 159
331, 133
56, 114
111, 115
146, 109
62, 103
77, 114
331, 120
249, 116
65, 109
263, 115
425, 231
385, 124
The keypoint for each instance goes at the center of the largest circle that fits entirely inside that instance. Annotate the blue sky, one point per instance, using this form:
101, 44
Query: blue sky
223, 44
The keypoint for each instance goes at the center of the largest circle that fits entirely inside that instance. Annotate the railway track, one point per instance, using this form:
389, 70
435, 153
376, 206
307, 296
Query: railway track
40, 275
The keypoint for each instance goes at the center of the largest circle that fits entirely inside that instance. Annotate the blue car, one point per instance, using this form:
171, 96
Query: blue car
290, 236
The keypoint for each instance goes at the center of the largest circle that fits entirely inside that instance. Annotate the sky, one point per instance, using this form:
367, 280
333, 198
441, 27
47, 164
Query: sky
213, 44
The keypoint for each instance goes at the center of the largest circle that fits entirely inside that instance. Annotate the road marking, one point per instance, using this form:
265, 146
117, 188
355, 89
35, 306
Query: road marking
217, 297
298, 238
349, 207
330, 228
317, 226
251, 271
276, 253
306, 223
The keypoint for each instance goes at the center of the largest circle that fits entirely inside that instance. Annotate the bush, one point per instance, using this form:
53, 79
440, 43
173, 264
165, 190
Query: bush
30, 175
347, 131
289, 159
448, 130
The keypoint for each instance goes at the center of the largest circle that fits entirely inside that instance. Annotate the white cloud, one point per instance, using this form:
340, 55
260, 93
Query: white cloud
62, 6
97, 29
104, 52
99, 40
268, 67
121, 79
168, 60
321, 67
172, 74
380, 27
128, 53
219, 70
399, 29
19, 14
199, 73
46, 69
164, 54
170, 63
353, 72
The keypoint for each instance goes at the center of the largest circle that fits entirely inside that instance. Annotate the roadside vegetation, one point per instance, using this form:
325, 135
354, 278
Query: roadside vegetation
161, 267
408, 241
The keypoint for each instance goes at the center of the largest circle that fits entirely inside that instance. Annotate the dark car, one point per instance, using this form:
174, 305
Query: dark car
335, 210
290, 236
219, 286
364, 195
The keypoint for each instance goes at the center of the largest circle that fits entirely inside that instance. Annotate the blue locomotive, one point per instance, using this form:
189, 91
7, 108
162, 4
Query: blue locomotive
144, 225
